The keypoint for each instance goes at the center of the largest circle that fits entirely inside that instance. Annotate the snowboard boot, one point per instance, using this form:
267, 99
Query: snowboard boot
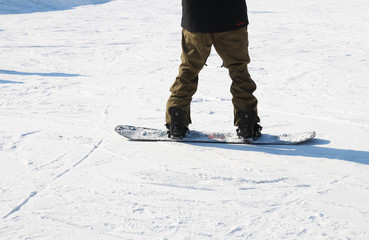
248, 129
176, 130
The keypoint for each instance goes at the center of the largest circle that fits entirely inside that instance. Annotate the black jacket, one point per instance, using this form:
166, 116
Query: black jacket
209, 16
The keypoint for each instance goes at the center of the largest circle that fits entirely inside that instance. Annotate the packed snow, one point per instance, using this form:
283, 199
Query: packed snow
29, 6
70, 71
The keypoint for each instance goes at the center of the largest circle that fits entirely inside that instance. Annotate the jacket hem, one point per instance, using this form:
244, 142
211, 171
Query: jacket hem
215, 30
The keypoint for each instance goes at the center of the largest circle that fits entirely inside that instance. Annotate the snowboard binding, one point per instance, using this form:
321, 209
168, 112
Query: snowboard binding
248, 129
176, 130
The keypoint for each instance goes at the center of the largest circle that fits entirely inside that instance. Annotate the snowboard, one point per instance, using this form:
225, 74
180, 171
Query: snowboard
134, 133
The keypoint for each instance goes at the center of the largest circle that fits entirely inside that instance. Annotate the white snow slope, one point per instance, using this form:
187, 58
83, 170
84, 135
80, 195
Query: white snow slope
29, 6
68, 77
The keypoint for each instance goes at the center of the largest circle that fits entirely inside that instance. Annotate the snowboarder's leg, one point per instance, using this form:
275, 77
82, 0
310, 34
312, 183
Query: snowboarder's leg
232, 47
196, 49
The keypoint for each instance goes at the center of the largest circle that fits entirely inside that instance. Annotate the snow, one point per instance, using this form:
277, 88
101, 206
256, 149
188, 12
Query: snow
70, 71
29, 6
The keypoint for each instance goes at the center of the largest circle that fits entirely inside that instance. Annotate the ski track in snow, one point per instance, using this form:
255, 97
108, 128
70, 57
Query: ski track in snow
71, 72
54, 167
17, 208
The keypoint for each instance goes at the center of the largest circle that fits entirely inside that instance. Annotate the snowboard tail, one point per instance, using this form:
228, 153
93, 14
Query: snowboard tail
134, 133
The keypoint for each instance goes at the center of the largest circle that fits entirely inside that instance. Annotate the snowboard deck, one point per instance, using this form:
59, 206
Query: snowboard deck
134, 133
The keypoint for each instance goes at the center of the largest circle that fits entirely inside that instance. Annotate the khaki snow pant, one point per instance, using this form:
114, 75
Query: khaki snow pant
232, 47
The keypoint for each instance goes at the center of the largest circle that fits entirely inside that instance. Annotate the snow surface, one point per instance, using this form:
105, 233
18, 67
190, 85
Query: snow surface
29, 6
68, 77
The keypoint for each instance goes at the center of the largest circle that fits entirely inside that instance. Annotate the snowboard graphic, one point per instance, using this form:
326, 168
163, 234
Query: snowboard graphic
134, 133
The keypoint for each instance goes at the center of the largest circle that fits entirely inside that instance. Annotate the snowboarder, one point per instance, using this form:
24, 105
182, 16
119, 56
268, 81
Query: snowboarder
222, 24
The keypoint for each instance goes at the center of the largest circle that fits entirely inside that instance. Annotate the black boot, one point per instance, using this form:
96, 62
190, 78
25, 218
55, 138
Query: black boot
176, 130
248, 127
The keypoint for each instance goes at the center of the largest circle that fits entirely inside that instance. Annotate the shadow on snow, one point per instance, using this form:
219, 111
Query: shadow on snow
21, 6
7, 82
37, 74
309, 149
